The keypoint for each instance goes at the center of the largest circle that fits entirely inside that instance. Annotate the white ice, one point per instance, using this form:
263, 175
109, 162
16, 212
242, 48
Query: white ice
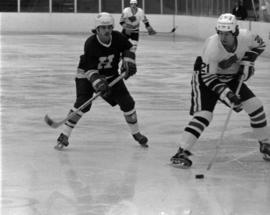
103, 171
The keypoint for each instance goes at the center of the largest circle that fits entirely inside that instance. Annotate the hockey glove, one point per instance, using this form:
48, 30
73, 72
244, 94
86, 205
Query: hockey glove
128, 64
100, 84
150, 30
129, 68
230, 99
247, 64
246, 70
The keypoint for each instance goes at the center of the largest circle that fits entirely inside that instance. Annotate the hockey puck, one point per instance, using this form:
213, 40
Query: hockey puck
199, 176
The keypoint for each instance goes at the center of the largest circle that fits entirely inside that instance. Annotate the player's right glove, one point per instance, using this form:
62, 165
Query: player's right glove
150, 30
100, 84
247, 64
229, 98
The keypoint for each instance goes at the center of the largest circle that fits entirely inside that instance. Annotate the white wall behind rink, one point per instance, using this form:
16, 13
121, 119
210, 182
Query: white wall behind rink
192, 26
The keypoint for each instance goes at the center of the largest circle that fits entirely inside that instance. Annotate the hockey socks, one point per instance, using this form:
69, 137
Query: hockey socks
71, 123
131, 119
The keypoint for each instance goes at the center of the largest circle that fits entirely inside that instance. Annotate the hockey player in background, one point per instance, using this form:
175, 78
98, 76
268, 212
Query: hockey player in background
97, 67
227, 55
130, 21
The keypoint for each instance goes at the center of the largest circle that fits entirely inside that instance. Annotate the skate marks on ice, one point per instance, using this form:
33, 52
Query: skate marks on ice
229, 185
103, 171
94, 188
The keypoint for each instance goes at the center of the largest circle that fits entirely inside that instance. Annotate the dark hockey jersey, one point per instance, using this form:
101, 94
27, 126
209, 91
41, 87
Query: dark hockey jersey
102, 58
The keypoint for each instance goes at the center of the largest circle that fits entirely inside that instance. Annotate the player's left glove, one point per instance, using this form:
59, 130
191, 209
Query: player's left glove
129, 68
246, 69
247, 64
150, 30
128, 64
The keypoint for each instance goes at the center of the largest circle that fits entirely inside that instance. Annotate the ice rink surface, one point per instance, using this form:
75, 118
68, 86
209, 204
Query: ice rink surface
103, 171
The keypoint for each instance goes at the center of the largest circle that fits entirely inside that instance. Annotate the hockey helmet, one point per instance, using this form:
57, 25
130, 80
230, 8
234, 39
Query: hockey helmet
227, 22
133, 2
103, 19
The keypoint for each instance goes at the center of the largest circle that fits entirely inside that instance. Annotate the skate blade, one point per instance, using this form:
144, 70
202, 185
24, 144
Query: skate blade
179, 165
143, 142
144, 145
266, 158
59, 147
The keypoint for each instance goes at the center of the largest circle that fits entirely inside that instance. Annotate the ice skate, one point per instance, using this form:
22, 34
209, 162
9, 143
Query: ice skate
141, 139
62, 141
180, 159
265, 150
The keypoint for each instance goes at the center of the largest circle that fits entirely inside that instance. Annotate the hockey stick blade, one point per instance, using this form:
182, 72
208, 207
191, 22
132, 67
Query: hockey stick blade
53, 124
174, 29
211, 163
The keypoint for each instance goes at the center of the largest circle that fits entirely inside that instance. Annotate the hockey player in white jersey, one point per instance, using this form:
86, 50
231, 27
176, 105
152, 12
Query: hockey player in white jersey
130, 21
227, 56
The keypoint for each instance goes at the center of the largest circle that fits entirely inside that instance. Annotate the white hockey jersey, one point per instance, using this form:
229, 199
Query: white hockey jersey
221, 66
132, 20
219, 61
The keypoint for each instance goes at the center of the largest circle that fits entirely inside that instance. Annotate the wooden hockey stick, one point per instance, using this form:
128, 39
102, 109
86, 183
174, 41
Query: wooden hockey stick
168, 32
54, 124
225, 126
162, 33
173, 29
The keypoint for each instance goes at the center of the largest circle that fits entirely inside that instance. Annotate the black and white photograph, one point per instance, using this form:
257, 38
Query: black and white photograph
135, 107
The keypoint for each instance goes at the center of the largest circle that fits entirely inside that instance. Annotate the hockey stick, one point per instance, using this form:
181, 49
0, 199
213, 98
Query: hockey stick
54, 124
168, 32
225, 126
165, 32
173, 29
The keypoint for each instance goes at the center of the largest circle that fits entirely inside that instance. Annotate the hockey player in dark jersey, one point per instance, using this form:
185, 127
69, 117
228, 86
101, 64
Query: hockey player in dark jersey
226, 56
98, 66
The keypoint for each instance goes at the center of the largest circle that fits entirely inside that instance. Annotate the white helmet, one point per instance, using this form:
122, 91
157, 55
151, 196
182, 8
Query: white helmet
227, 22
104, 19
133, 2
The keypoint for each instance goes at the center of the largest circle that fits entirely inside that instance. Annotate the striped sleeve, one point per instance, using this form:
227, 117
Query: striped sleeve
129, 56
213, 83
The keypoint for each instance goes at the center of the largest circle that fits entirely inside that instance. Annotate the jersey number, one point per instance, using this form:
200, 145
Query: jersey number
200, 66
105, 62
204, 68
